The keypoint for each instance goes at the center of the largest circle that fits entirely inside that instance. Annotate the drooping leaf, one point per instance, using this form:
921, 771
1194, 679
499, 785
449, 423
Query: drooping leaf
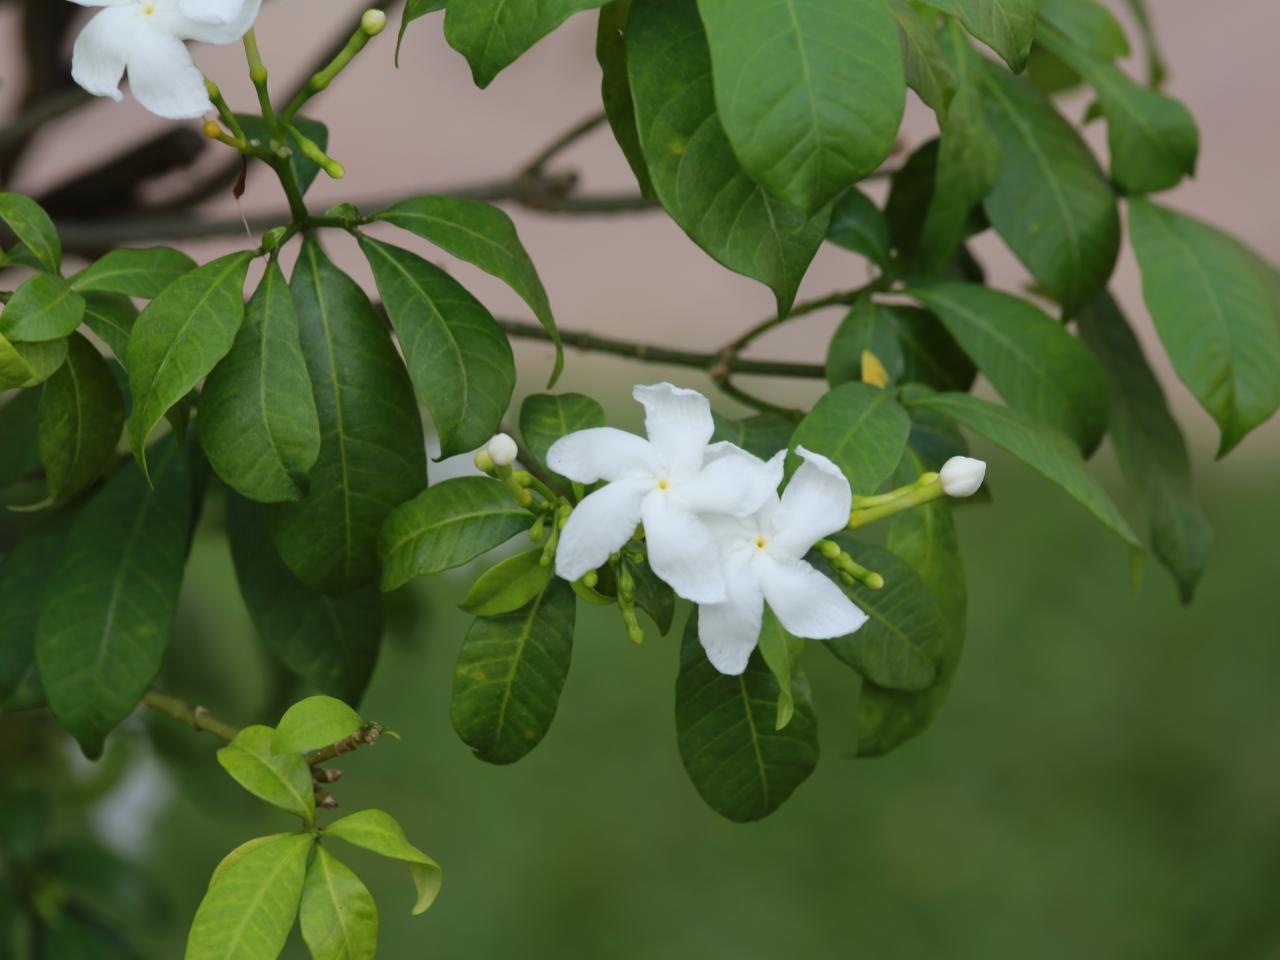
763, 434
280, 779
42, 360
696, 174
372, 454
615, 87
111, 316
781, 653
1006, 26
447, 525
653, 595
492, 34
858, 225
19, 424
508, 585
379, 832
927, 70
105, 618
859, 427
38, 245
44, 307
546, 417
14, 370
314, 723
1215, 314
81, 416
458, 357
1155, 59
338, 917
1149, 446
413, 10
726, 728
134, 273
912, 345
810, 94
179, 338
305, 170
509, 674
258, 423
1087, 24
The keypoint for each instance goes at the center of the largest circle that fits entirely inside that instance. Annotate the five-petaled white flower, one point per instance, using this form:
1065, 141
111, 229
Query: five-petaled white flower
146, 37
669, 483
764, 561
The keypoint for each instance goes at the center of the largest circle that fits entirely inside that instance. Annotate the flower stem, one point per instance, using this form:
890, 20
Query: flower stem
258, 74
870, 509
321, 79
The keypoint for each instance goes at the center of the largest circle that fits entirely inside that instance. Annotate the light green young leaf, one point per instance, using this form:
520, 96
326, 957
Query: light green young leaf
492, 34
134, 273
445, 526
281, 779
545, 418
378, 831
508, 585
858, 225
81, 416
338, 916
781, 652
239, 853
111, 316
44, 307
42, 359
509, 674
615, 87
314, 723
249, 910
861, 429
14, 370
38, 245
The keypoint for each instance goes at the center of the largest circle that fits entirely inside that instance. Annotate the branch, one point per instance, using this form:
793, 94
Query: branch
196, 717
367, 735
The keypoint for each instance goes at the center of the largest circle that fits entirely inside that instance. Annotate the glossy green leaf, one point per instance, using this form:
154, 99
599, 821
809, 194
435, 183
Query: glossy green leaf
314, 723
1215, 314
653, 596
281, 779
305, 170
19, 423
810, 94
726, 729
484, 236
1052, 204
105, 619
379, 832
509, 674
898, 647
447, 525
858, 225
81, 416
111, 316
615, 87
492, 34
248, 912
258, 423
331, 642
1030, 358
413, 10
1087, 24
372, 455
696, 174
239, 853
762, 435
912, 345
1006, 26
38, 244
134, 273
781, 652
861, 429
14, 371
338, 917
42, 360
179, 338
1149, 446
545, 418
508, 585
44, 307
927, 70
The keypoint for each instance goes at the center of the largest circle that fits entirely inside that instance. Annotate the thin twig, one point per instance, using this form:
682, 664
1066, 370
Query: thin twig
196, 717
571, 136
367, 735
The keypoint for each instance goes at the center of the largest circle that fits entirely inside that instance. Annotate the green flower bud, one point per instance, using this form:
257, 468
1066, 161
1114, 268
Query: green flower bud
373, 22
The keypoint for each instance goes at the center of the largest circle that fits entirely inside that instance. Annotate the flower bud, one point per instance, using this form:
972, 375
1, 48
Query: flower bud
502, 450
212, 129
962, 476
373, 22
484, 462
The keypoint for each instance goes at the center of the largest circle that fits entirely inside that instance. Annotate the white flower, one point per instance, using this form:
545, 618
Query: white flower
664, 482
764, 561
146, 38
962, 476
502, 450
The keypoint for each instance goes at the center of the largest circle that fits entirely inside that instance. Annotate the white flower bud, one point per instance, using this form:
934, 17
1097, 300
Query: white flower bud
502, 449
962, 476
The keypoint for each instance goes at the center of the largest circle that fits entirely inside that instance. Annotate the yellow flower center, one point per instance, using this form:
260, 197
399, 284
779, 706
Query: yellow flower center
148, 9
664, 484
761, 543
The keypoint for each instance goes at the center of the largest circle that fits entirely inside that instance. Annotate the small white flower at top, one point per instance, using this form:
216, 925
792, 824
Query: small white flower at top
146, 38
666, 482
764, 561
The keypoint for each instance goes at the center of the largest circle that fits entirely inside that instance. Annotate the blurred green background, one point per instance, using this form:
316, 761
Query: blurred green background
1103, 782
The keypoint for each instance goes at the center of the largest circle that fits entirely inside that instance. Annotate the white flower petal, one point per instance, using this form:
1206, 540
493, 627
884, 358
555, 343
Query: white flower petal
737, 484
682, 551
162, 77
103, 3
807, 603
729, 631
678, 423
815, 504
101, 51
214, 21
599, 526
603, 453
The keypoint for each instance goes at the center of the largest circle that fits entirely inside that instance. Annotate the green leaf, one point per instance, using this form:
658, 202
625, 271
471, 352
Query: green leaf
281, 779
44, 307
762, 435
38, 244
106, 617
858, 225
1087, 24
1031, 360
492, 34
447, 525
19, 423
134, 273
810, 94
372, 456
14, 370
781, 652
696, 174
1052, 204
111, 316
1046, 450
653, 596
458, 357
545, 418
1215, 314
412, 11
248, 912
379, 832
927, 70
509, 674
338, 916
239, 853
743, 767
258, 423
508, 585
304, 168
615, 87
899, 646
179, 338
912, 344
1155, 60
1006, 26
81, 415
314, 723
42, 360
1149, 446
331, 642
861, 429
484, 236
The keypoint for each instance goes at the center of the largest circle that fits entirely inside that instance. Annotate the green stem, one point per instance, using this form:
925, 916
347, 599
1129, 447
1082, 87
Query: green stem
321, 79
924, 490
225, 112
258, 74
198, 718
